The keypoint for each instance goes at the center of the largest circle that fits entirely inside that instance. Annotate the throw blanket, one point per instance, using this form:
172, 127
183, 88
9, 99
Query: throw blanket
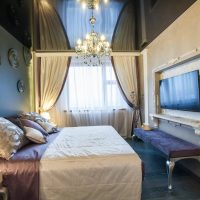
21, 173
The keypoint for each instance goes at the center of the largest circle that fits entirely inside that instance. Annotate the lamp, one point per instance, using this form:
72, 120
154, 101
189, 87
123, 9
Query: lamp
45, 115
94, 47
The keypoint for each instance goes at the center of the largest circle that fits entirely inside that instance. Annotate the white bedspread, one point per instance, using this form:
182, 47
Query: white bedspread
90, 163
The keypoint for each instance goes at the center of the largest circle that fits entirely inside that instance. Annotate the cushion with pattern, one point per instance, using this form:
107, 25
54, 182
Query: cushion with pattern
12, 138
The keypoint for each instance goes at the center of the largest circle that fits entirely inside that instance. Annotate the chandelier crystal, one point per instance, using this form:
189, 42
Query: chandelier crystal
94, 47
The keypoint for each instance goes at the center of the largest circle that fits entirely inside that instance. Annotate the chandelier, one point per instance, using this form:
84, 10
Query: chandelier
94, 47
91, 4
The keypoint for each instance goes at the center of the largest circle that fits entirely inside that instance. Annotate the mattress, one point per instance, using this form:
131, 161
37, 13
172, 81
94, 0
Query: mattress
91, 163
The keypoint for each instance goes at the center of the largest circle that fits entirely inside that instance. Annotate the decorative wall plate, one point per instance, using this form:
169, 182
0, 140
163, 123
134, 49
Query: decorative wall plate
27, 55
20, 86
13, 58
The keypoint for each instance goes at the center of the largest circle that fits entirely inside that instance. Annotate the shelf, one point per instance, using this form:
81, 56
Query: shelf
195, 124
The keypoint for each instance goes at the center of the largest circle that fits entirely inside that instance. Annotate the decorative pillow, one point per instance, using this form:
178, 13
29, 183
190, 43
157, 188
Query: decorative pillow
33, 116
34, 135
43, 122
32, 124
12, 138
48, 126
28, 123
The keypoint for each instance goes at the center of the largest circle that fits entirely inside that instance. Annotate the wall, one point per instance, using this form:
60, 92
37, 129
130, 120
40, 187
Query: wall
15, 17
179, 38
11, 101
160, 14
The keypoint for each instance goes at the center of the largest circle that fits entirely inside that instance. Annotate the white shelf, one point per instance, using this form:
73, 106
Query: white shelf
195, 124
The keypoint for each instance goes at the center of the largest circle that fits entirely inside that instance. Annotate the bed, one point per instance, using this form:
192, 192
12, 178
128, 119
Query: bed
91, 163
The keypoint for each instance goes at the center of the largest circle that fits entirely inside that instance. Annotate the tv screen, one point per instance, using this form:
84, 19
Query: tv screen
181, 92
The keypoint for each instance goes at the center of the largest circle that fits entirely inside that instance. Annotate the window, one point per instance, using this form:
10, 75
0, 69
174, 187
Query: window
93, 87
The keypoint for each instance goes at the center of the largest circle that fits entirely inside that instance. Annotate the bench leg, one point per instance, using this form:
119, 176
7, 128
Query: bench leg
170, 167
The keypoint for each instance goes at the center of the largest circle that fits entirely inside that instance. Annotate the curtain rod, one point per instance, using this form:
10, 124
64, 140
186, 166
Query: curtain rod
45, 53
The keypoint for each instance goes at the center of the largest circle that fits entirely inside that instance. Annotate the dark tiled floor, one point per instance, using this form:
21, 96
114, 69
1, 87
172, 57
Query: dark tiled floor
185, 186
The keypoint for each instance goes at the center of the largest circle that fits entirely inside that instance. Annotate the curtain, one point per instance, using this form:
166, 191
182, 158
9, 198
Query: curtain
126, 67
91, 97
126, 72
124, 34
51, 71
93, 88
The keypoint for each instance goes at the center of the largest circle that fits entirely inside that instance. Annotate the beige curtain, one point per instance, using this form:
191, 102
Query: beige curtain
126, 72
52, 35
124, 34
51, 71
127, 75
126, 67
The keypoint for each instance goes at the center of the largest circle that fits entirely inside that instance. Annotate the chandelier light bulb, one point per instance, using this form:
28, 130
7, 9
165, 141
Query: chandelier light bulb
88, 36
103, 37
84, 5
97, 7
79, 42
105, 1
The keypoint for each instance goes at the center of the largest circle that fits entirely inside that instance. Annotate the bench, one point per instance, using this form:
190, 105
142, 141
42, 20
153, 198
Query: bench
173, 148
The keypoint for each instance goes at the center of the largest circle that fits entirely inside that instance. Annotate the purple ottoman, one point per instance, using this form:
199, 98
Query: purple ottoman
174, 148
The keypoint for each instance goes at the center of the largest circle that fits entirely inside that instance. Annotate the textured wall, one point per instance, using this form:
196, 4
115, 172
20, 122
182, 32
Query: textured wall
11, 101
179, 38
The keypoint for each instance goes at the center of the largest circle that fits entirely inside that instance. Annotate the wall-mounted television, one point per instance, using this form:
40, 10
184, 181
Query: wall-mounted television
181, 92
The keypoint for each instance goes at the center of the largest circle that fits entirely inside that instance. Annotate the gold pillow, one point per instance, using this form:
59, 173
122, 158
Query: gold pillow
32, 116
12, 138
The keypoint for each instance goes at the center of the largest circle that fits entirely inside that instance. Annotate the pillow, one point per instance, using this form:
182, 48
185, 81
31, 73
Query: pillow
43, 122
12, 138
32, 124
28, 123
33, 116
48, 126
34, 135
